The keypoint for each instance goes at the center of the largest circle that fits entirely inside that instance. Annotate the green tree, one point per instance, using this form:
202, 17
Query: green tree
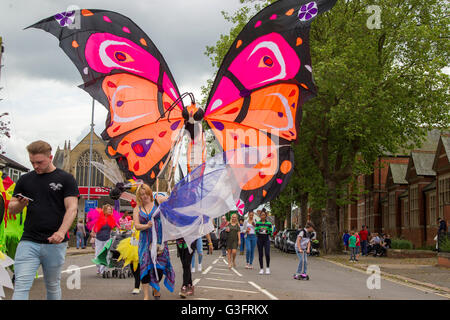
378, 88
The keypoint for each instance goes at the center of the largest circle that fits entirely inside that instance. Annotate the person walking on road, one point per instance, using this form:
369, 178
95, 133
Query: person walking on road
199, 247
233, 240
101, 232
242, 230
363, 235
250, 239
263, 230
187, 288
51, 197
303, 248
143, 215
223, 236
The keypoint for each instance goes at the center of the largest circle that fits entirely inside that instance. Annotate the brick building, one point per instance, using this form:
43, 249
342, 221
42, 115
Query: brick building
419, 175
405, 194
441, 165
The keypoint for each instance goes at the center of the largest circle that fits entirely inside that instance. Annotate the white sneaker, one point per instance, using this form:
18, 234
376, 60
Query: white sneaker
136, 291
267, 271
193, 269
199, 267
261, 271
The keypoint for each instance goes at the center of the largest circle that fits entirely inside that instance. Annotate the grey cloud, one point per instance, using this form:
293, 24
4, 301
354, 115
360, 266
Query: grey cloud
180, 29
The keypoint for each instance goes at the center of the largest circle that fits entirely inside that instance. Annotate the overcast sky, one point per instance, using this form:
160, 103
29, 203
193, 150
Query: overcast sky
40, 82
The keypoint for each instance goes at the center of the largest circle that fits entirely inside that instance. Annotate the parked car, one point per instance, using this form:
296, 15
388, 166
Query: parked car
289, 243
277, 240
214, 240
284, 239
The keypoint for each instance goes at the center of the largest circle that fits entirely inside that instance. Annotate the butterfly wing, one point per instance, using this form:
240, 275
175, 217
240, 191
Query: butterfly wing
260, 87
122, 69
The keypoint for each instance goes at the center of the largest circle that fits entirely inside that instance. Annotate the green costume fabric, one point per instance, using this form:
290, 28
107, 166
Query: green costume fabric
102, 257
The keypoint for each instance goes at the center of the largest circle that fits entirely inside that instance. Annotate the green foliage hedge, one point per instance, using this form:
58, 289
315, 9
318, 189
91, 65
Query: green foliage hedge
401, 244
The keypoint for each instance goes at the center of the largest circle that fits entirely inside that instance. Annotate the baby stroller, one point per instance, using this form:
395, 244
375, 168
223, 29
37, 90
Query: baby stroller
315, 248
109, 257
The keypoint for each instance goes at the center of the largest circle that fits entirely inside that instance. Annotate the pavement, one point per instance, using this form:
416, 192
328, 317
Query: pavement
423, 272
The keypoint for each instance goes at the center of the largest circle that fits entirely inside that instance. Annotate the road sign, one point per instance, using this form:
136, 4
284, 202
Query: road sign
90, 204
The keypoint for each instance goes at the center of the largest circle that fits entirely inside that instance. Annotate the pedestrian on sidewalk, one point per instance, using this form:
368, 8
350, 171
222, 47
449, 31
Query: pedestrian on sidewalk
87, 234
80, 234
242, 230
233, 240
50, 214
364, 234
352, 246
199, 247
345, 238
442, 232
263, 231
250, 239
303, 248
358, 245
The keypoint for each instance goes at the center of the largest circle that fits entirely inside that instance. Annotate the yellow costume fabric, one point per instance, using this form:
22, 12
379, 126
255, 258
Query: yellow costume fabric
128, 249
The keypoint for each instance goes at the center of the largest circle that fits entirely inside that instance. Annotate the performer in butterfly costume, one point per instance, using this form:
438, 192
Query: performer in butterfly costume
255, 100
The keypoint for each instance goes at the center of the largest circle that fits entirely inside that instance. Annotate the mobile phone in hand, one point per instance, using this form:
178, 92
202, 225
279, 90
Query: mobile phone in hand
19, 195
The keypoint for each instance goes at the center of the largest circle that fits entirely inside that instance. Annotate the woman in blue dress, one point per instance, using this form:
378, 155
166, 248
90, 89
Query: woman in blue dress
142, 217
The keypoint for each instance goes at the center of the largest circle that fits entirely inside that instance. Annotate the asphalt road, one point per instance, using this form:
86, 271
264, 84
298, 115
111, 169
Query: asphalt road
217, 282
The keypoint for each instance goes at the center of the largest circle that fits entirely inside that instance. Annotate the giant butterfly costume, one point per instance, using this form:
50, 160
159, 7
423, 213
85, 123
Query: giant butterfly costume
255, 100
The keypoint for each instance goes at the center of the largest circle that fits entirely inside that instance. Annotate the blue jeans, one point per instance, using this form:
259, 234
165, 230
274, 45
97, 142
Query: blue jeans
29, 256
242, 247
364, 247
80, 240
250, 245
303, 261
199, 253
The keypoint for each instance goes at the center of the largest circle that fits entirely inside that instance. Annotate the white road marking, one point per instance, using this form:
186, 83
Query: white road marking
227, 289
194, 283
222, 274
215, 261
240, 275
267, 293
225, 280
71, 270
221, 269
207, 270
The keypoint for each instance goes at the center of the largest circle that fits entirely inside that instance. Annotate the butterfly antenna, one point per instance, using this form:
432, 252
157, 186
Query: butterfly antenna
172, 106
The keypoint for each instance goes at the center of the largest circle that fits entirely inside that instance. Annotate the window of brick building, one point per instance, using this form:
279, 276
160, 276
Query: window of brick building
414, 205
405, 216
82, 173
391, 201
385, 212
444, 193
432, 206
